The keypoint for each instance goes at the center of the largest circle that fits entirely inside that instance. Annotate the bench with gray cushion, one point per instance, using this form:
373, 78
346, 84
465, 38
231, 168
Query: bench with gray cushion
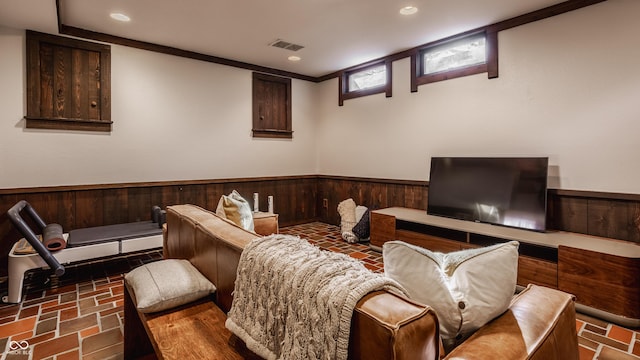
78, 245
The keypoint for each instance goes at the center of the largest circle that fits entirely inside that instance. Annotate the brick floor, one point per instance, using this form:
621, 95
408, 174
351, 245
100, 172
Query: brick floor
77, 316
80, 315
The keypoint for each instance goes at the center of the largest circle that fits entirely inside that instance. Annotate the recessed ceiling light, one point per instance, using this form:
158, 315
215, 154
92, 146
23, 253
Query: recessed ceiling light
408, 10
120, 17
294, 58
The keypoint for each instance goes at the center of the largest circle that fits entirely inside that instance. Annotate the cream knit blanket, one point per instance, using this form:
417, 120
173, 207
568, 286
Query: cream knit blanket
293, 300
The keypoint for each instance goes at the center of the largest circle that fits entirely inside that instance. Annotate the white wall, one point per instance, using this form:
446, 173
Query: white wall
569, 88
173, 118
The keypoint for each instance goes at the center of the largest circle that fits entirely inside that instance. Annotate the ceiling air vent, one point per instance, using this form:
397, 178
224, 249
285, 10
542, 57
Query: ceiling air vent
286, 45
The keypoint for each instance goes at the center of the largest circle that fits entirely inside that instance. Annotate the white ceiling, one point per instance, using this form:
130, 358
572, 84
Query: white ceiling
336, 34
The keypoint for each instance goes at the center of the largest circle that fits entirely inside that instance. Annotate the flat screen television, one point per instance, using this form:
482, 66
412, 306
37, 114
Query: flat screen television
505, 191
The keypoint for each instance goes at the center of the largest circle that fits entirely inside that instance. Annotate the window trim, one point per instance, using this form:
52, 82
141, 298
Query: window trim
490, 66
343, 82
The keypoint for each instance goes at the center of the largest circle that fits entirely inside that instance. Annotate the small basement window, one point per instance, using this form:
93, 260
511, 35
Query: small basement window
366, 80
455, 57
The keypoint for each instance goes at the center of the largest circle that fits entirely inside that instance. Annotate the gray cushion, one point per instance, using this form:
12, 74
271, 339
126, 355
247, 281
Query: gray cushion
166, 284
361, 229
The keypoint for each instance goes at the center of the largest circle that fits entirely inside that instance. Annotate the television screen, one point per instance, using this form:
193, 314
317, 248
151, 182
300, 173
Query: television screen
503, 191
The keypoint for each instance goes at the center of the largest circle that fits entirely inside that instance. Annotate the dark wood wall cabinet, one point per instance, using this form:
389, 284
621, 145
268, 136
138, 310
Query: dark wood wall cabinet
68, 84
271, 106
602, 273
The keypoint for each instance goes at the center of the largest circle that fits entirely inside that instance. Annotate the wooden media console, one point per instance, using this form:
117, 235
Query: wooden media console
603, 274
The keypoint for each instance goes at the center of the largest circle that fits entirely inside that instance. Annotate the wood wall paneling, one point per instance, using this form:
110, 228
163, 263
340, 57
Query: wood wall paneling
86, 206
170, 195
89, 208
415, 197
567, 213
372, 193
305, 199
138, 204
608, 218
607, 215
56, 206
194, 194
297, 199
634, 222
116, 206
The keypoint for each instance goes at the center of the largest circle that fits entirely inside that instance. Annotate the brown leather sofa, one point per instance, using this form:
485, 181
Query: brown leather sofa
540, 323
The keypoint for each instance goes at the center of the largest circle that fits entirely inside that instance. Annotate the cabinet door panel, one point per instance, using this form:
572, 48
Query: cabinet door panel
271, 106
429, 242
536, 271
603, 281
69, 83
383, 228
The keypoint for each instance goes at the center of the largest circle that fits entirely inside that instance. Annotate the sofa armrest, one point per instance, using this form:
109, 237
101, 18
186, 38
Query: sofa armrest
386, 326
539, 324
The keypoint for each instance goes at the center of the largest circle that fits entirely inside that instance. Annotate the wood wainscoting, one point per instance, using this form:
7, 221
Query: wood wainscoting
297, 199
372, 193
83, 206
610, 215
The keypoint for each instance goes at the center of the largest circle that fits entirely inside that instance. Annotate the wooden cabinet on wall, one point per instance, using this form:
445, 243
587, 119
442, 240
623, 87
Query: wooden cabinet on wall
271, 106
602, 273
68, 84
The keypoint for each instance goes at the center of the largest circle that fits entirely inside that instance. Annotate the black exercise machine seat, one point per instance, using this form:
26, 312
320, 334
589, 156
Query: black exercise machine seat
108, 233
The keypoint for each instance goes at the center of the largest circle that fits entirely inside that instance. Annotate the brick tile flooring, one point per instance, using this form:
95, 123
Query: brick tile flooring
77, 316
80, 315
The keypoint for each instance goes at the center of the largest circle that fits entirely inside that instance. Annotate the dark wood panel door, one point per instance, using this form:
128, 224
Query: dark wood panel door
536, 271
68, 83
72, 86
430, 242
383, 228
271, 106
606, 282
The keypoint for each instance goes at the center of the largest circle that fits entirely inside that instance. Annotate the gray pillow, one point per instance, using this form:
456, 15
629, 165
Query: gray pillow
361, 229
165, 284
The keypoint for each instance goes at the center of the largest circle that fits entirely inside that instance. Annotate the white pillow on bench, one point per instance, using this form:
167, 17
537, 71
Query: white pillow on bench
165, 284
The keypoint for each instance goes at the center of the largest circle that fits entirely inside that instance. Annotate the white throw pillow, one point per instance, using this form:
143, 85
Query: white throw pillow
164, 284
467, 288
235, 208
